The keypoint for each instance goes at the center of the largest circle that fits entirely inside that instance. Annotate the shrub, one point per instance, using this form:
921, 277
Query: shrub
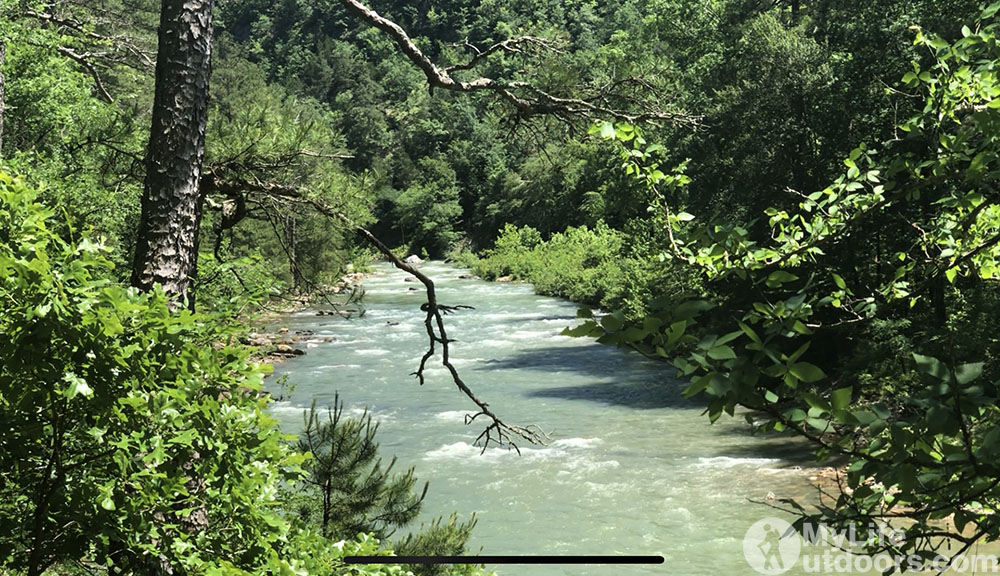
131, 437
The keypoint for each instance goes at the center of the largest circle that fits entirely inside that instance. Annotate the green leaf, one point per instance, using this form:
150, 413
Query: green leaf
841, 398
722, 353
817, 402
77, 386
806, 372
691, 308
779, 277
749, 332
932, 367
839, 282
795, 415
966, 373
613, 322
819, 424
607, 130
685, 217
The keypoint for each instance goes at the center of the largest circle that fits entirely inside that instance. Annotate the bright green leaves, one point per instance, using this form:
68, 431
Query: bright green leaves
106, 497
607, 130
124, 420
75, 386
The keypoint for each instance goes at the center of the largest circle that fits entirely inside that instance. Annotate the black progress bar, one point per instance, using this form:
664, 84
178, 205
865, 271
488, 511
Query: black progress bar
503, 559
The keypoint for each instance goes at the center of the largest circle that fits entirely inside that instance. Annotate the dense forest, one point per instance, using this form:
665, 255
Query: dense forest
790, 203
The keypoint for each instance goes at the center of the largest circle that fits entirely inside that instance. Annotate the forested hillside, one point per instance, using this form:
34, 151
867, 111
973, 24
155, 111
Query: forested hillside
792, 203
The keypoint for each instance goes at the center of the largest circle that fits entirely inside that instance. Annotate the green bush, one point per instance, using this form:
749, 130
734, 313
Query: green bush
132, 437
598, 267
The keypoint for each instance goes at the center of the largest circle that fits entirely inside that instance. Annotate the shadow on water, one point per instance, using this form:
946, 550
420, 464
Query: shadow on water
598, 361
642, 396
515, 319
791, 449
630, 381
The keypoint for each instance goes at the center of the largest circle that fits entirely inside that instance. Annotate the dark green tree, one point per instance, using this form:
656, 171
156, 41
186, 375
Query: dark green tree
347, 490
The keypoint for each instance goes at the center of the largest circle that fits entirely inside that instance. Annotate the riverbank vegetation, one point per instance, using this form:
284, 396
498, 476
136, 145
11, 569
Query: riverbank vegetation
792, 203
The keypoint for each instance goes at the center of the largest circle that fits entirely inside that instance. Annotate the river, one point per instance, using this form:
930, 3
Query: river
631, 467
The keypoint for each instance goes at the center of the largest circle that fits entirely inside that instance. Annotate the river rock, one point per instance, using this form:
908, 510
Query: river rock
413, 259
259, 340
503, 279
288, 350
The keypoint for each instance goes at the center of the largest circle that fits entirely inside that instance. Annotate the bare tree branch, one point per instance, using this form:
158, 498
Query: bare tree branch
526, 98
511, 46
497, 431
84, 60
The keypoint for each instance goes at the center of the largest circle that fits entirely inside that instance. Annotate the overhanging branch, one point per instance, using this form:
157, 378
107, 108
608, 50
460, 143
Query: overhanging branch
497, 431
525, 97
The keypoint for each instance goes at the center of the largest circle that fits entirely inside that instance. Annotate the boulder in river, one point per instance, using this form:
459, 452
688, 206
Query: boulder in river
288, 350
413, 259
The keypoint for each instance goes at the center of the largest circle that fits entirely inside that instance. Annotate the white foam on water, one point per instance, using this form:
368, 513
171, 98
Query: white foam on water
372, 352
609, 488
792, 471
461, 450
533, 335
487, 343
577, 442
566, 451
331, 366
510, 316
466, 361
452, 415
727, 462
588, 466
285, 408
361, 340
468, 452
376, 415
404, 336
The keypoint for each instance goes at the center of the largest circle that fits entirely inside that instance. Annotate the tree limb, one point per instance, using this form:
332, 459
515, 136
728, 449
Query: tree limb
511, 46
497, 431
526, 98
84, 60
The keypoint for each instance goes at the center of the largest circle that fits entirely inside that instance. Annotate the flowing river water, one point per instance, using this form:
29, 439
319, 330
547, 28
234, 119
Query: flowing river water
631, 467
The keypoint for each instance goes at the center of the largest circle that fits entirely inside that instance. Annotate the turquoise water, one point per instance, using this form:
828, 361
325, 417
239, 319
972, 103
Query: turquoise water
631, 467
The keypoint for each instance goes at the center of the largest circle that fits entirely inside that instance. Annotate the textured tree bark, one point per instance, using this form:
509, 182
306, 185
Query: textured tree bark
166, 251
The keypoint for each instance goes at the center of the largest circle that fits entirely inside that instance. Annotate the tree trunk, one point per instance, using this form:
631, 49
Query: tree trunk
293, 266
166, 251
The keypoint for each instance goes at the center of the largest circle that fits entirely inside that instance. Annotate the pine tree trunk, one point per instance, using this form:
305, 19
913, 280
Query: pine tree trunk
166, 251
